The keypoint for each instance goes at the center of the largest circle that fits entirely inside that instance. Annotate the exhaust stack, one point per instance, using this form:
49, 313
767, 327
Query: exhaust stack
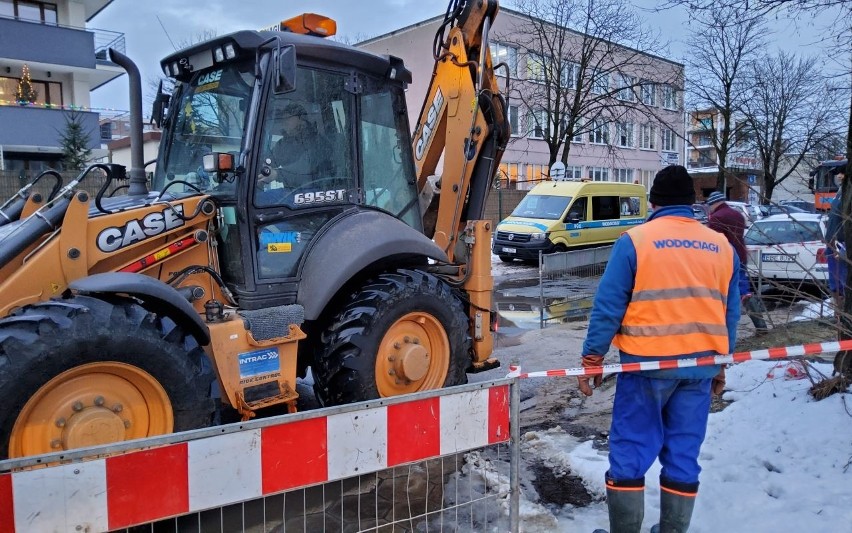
138, 182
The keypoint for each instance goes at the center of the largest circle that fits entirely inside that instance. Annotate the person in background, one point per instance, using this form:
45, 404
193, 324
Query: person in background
732, 224
835, 247
670, 291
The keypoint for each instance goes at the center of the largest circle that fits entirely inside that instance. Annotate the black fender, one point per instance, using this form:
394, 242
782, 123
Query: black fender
351, 244
159, 298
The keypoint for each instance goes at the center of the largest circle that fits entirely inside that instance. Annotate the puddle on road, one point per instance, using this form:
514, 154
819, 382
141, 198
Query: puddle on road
522, 305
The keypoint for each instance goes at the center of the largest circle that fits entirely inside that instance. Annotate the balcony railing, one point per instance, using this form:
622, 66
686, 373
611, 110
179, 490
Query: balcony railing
36, 41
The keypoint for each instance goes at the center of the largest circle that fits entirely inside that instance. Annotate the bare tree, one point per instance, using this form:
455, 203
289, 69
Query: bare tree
789, 112
587, 65
722, 43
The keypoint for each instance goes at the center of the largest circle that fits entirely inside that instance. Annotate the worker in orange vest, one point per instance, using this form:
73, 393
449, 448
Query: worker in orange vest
670, 291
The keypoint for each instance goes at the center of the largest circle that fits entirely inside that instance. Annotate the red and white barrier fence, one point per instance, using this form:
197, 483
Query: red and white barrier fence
710, 360
189, 475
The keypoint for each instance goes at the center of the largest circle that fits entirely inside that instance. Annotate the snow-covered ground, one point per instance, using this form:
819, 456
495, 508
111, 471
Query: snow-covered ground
774, 460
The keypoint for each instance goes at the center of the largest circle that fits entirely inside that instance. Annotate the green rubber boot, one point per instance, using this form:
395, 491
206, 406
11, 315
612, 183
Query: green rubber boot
675, 509
626, 502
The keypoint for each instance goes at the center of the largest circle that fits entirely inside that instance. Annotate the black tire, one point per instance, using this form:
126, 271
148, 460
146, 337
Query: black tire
40, 341
506, 258
345, 372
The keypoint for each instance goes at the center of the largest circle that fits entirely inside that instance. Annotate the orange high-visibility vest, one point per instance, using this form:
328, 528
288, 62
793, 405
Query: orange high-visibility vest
680, 293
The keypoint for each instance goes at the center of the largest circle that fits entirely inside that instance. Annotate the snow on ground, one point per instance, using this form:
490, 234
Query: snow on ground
775, 460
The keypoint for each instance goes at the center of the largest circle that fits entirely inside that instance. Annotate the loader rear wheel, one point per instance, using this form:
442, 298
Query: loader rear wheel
83, 372
402, 332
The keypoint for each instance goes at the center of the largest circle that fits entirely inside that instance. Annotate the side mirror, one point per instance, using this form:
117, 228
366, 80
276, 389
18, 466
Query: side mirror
285, 69
811, 184
158, 108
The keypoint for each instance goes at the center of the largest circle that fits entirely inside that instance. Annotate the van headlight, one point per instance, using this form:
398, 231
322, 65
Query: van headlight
538, 236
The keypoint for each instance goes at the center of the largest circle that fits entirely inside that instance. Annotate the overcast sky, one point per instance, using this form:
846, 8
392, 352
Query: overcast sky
147, 40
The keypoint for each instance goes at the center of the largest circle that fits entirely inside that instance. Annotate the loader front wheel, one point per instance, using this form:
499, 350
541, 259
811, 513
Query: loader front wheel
83, 372
403, 332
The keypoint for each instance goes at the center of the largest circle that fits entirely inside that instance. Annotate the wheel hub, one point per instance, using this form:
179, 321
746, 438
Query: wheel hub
412, 362
92, 426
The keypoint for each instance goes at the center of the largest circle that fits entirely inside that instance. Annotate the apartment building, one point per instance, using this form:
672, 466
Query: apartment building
648, 135
702, 160
48, 46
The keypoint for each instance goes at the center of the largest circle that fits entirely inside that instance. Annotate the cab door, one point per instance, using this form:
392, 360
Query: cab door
575, 218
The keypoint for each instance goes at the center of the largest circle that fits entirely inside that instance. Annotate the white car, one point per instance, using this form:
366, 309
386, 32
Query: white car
788, 248
749, 211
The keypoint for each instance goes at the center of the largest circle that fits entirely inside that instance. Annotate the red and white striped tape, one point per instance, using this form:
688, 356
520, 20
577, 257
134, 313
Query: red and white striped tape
148, 485
710, 360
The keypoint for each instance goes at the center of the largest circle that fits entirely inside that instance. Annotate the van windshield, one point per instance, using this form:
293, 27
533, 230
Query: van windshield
542, 206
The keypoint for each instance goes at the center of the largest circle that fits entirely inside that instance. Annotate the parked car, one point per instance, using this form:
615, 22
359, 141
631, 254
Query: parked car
700, 212
788, 247
779, 209
749, 211
807, 207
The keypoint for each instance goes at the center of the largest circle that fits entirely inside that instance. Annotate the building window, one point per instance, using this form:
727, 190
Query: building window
600, 82
578, 133
538, 124
48, 93
598, 173
598, 133
569, 75
625, 88
106, 131
646, 177
669, 140
649, 93
501, 53
704, 139
513, 120
624, 131
705, 123
43, 12
536, 68
622, 175
574, 172
648, 137
669, 97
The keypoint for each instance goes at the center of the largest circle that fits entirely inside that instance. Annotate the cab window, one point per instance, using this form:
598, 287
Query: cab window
577, 210
306, 158
630, 206
606, 208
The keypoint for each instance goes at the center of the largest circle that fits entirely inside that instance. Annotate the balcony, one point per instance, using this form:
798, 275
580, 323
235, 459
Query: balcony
55, 44
27, 127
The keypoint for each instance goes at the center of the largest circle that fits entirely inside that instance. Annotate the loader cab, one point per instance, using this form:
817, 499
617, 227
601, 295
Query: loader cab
331, 138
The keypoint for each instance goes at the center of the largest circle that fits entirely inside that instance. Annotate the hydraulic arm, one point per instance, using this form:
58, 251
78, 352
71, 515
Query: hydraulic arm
463, 119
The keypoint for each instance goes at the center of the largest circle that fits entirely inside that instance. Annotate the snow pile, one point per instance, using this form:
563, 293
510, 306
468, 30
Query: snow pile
814, 310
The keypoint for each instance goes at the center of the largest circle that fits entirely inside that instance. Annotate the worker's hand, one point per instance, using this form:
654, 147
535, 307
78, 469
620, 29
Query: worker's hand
590, 362
717, 387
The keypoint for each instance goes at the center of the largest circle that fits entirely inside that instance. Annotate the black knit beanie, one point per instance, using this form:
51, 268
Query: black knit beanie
672, 186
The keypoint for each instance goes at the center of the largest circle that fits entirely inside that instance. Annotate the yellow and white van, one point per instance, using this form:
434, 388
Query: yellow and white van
556, 216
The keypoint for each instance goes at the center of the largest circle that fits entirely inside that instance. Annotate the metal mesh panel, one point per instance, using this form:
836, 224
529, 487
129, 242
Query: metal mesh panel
568, 282
465, 492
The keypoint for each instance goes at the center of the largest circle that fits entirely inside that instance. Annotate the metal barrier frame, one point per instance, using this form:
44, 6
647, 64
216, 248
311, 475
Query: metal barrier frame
109, 487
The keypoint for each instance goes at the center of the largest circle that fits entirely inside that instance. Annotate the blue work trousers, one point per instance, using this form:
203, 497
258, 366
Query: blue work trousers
665, 418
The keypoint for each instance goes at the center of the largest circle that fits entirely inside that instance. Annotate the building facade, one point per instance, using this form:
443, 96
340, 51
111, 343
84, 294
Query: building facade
49, 64
629, 150
744, 172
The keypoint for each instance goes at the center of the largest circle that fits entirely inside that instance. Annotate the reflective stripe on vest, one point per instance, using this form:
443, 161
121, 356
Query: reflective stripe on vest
680, 291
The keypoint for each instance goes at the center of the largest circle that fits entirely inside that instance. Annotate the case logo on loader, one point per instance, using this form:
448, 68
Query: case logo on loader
151, 225
431, 122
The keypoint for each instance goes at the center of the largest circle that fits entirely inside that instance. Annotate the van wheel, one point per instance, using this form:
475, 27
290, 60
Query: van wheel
560, 248
507, 259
